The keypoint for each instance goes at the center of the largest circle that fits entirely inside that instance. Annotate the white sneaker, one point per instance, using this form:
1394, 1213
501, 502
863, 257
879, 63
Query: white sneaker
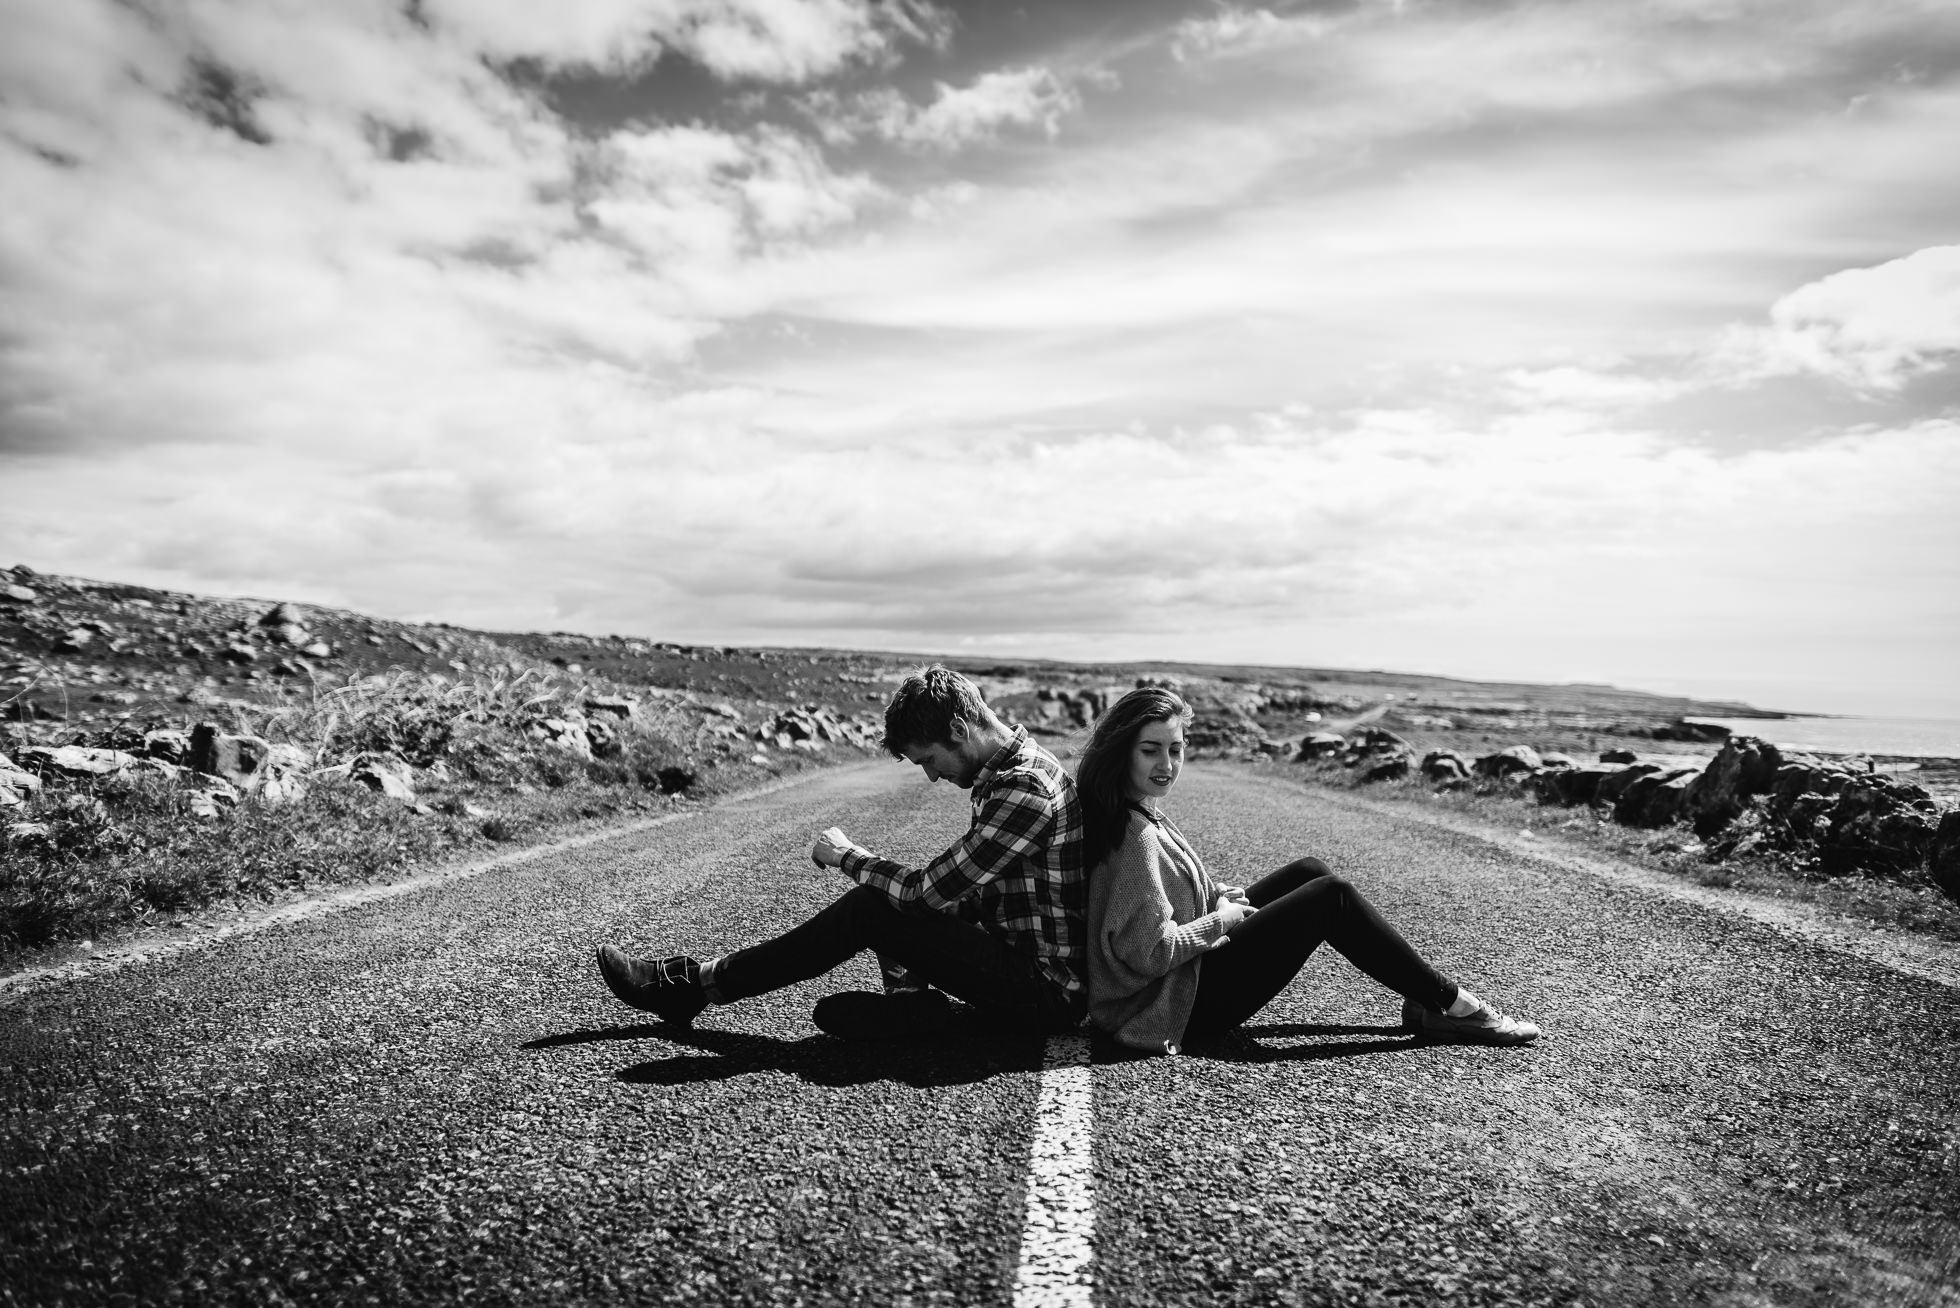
1483, 1026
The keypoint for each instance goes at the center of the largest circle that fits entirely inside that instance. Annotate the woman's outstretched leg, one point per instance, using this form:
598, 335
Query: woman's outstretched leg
1283, 879
1304, 904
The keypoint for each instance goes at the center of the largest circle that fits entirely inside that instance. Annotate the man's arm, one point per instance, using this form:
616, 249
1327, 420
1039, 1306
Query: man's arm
1014, 822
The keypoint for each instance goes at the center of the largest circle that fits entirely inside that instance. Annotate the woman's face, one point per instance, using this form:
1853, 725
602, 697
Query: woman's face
1155, 759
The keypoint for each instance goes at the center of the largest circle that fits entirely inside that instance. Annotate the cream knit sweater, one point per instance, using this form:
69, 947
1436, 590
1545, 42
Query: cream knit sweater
1152, 915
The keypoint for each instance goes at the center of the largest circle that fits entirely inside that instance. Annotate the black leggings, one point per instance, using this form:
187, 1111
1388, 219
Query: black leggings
1299, 906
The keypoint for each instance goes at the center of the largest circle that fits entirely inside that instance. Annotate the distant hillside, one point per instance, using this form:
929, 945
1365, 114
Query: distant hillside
85, 653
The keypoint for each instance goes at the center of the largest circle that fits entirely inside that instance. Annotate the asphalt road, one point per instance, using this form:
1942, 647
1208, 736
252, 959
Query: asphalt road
433, 1100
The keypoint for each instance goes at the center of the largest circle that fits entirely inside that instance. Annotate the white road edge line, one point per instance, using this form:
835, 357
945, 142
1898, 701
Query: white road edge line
1057, 1253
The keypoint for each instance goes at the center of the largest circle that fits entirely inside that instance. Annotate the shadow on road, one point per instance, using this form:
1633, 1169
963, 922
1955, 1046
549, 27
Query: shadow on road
1249, 1044
967, 1052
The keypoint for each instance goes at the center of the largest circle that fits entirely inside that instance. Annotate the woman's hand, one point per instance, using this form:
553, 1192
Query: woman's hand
1234, 911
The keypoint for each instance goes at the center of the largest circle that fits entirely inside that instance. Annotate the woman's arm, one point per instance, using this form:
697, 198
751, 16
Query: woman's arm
1147, 895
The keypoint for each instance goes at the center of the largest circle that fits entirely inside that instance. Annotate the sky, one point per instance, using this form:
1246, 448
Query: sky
1600, 340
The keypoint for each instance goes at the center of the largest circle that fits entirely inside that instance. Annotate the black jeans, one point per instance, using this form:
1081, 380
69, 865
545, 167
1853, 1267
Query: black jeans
1299, 906
937, 948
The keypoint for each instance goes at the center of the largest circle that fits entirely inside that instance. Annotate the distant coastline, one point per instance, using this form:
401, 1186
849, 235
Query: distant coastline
1832, 734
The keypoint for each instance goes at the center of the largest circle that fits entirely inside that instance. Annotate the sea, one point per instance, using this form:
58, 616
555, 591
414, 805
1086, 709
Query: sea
1904, 737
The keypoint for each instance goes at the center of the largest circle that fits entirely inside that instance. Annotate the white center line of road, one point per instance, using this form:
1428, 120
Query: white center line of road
1056, 1254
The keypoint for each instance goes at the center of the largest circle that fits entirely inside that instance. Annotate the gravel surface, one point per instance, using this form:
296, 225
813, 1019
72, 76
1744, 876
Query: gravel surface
432, 1099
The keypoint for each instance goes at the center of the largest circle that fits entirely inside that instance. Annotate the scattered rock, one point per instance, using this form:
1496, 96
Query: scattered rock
1569, 786
1743, 768
568, 734
1226, 729
1795, 780
1510, 759
1618, 756
285, 624
16, 786
1943, 860
1611, 787
240, 760
675, 779
814, 722
383, 772
1320, 744
604, 736
75, 762
1654, 800
1388, 767
1877, 824
281, 788
160, 768
168, 744
1378, 740
209, 793
619, 706
19, 594
1443, 765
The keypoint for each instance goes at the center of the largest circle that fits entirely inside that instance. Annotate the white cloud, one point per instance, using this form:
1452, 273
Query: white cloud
1017, 97
1609, 385
1876, 327
1235, 31
773, 40
697, 203
1031, 98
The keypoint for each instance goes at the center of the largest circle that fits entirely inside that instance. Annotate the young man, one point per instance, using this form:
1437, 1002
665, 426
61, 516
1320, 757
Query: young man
996, 920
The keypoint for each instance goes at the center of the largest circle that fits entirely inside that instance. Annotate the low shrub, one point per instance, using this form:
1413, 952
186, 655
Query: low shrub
138, 850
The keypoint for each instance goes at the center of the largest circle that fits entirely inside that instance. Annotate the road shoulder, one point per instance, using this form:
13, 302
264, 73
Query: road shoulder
1930, 960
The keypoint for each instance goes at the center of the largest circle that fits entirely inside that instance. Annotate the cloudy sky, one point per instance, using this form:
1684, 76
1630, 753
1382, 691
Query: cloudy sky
1592, 340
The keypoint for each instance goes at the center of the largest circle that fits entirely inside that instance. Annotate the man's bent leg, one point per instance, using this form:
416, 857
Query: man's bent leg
967, 963
938, 948
804, 951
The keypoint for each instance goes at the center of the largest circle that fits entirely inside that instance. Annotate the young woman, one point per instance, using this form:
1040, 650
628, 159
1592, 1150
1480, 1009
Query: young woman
1174, 956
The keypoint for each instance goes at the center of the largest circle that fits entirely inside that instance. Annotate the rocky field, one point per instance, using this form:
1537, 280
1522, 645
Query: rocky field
161, 752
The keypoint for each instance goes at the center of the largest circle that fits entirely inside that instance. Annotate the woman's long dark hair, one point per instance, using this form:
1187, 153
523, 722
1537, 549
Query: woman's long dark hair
1102, 775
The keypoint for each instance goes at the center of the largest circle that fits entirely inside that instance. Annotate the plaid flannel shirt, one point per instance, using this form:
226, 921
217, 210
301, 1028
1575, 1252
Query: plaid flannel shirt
1017, 873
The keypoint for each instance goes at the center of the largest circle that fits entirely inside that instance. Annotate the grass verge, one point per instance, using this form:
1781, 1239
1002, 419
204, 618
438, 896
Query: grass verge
491, 763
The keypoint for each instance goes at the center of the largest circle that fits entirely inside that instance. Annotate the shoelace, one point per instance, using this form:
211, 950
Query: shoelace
672, 972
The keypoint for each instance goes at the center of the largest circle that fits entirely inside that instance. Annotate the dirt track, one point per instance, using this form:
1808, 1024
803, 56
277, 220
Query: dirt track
431, 1099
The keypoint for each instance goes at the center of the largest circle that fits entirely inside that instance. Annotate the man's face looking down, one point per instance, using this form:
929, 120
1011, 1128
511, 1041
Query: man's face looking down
956, 760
